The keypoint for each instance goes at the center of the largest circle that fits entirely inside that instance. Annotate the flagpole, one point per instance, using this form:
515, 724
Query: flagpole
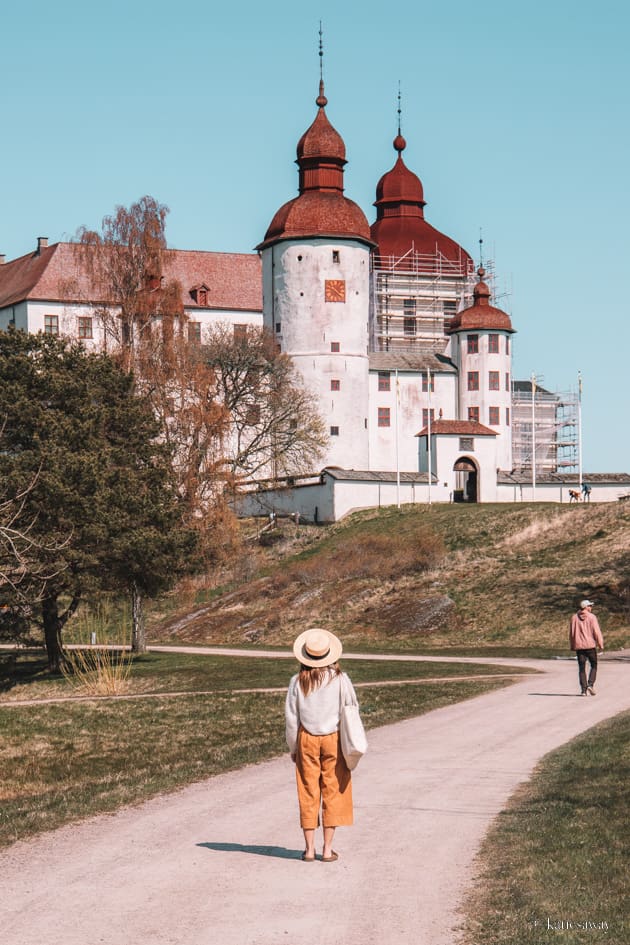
533, 437
580, 471
397, 448
429, 429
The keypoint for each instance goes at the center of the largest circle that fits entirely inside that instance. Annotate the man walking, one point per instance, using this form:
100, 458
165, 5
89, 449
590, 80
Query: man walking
585, 638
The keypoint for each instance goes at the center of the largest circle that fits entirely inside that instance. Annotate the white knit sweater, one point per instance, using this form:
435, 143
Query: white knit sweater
318, 712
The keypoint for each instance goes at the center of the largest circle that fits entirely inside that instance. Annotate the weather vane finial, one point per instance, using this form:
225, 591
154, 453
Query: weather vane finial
399, 108
321, 53
321, 99
480, 248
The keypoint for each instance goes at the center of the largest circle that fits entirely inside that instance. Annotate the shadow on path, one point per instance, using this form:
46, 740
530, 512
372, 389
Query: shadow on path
280, 852
555, 695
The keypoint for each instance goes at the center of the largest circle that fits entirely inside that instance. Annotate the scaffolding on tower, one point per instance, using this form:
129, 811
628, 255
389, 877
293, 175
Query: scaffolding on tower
413, 299
545, 429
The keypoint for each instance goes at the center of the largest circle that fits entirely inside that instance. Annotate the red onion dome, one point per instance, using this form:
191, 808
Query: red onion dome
481, 316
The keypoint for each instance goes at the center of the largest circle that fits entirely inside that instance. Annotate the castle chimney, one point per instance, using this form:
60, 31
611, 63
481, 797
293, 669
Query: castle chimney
3, 259
42, 243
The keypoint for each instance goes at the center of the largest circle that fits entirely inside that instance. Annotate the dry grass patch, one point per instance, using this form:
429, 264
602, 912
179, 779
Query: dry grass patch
477, 576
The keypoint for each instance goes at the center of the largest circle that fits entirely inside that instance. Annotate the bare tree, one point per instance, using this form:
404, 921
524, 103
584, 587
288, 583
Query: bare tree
126, 264
275, 428
145, 326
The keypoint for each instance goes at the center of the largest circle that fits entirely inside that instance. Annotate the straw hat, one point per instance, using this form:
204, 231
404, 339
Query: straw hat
317, 647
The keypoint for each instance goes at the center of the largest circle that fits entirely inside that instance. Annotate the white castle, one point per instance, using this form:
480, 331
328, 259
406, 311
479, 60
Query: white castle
390, 328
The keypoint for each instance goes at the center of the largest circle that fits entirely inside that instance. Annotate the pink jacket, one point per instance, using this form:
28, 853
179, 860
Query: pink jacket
585, 633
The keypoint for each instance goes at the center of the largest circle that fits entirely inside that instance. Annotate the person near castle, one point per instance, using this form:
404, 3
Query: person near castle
313, 708
585, 638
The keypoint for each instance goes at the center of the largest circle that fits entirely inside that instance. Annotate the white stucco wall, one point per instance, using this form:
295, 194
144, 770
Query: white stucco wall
559, 492
485, 361
307, 327
31, 316
412, 400
210, 319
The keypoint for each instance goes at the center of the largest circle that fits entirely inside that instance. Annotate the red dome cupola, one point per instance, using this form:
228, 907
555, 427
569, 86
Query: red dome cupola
321, 208
400, 229
481, 315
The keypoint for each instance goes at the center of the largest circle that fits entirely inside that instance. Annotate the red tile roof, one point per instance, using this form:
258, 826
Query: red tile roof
458, 428
56, 273
481, 315
317, 213
400, 229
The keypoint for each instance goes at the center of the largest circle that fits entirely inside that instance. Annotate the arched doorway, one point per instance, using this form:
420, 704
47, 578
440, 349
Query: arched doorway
466, 480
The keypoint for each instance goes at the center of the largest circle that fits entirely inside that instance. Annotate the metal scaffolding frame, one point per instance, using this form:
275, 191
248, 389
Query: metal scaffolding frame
546, 431
414, 296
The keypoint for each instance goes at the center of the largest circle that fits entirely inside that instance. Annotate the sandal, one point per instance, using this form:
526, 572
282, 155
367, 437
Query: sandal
308, 859
330, 859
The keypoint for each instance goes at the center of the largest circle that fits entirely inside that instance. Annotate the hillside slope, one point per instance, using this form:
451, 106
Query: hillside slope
427, 577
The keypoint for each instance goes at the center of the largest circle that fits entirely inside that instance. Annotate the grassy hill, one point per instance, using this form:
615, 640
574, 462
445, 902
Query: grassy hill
423, 578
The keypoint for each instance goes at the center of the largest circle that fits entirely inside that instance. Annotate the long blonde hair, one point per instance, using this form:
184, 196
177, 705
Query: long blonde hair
312, 677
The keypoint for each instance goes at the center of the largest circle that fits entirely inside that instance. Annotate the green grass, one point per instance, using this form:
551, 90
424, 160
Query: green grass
559, 852
65, 761
184, 672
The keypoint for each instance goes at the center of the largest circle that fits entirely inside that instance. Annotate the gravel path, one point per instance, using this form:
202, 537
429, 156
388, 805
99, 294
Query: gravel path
219, 862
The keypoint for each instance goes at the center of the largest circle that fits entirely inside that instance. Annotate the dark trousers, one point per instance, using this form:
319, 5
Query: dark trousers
582, 657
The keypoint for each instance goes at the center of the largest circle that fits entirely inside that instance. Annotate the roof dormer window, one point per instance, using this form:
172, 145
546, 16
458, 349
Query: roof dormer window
199, 294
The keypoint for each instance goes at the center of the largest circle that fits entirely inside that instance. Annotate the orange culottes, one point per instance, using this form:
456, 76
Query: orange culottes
323, 778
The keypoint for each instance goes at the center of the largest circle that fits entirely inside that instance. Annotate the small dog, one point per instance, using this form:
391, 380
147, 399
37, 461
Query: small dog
574, 496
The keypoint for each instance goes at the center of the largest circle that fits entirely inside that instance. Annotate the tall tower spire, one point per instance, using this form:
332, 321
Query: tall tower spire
321, 99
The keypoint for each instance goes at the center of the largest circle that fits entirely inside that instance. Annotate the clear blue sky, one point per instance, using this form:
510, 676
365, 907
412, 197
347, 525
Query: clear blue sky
515, 115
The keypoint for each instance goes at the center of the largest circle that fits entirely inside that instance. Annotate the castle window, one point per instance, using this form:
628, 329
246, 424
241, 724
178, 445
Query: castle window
252, 416
473, 344
493, 380
334, 431
384, 380
84, 323
383, 416
202, 297
335, 384
425, 416
507, 381
473, 380
334, 346
507, 416
335, 255
194, 332
409, 308
507, 344
240, 334
467, 443
473, 414
278, 327
409, 326
493, 344
51, 324
493, 416
425, 383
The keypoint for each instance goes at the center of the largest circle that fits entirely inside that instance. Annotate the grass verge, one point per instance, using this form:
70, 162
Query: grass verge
556, 863
62, 762
184, 672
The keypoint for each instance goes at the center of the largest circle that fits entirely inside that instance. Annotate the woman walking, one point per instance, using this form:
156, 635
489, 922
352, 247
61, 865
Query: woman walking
312, 728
